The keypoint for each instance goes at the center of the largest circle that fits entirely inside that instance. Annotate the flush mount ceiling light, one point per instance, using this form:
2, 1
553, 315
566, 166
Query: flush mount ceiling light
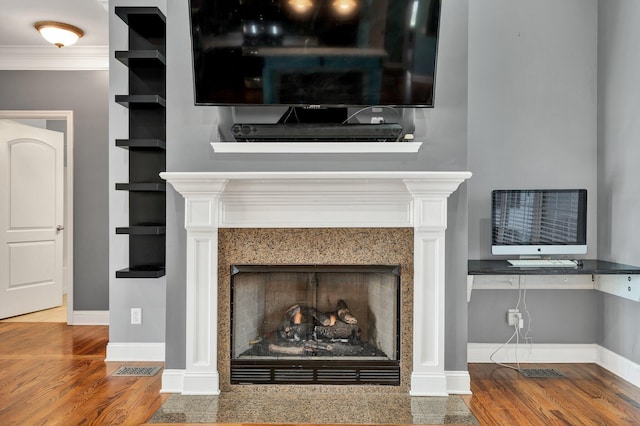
58, 33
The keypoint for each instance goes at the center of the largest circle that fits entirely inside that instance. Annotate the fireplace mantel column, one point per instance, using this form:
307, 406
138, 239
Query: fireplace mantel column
201, 222
430, 222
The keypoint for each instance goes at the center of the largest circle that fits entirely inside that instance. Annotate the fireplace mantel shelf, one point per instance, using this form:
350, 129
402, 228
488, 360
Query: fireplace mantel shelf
416, 199
295, 183
427, 175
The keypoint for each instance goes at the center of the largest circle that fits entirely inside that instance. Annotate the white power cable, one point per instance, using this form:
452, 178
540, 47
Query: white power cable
516, 335
522, 298
371, 107
528, 339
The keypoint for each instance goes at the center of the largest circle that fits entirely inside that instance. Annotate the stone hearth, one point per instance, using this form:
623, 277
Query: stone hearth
416, 200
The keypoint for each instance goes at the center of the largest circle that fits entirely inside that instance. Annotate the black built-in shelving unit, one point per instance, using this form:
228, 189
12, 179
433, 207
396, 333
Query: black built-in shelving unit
146, 102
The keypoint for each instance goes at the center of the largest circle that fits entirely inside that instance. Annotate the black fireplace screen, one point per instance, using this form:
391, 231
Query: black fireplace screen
315, 324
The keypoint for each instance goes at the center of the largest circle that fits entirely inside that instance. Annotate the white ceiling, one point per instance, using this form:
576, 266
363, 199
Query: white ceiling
22, 47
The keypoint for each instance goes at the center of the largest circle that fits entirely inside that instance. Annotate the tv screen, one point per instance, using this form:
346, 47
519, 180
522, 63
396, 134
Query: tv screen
315, 52
539, 222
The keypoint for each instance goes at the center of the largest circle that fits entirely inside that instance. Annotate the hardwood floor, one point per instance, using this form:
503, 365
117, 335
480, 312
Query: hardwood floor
51, 373
586, 395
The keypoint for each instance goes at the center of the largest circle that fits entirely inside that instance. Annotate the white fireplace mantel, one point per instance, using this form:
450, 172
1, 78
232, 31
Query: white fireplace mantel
216, 200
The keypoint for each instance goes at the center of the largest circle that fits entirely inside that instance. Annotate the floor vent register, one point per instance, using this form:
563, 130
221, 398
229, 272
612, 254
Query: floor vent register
136, 371
540, 372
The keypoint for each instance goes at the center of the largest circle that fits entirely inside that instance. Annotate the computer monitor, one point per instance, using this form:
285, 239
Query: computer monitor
539, 222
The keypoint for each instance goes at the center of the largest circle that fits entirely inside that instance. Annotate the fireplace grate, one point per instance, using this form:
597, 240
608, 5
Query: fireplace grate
292, 375
382, 377
353, 373
341, 375
251, 375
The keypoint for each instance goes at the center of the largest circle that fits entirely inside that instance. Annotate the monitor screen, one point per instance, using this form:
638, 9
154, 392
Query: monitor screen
539, 222
314, 52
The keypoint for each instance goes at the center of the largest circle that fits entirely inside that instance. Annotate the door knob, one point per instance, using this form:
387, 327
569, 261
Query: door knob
59, 228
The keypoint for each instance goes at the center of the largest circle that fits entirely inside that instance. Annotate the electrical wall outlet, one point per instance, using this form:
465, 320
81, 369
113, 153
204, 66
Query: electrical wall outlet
514, 317
136, 316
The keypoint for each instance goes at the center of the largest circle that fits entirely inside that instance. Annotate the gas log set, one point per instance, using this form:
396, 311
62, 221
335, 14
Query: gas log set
305, 331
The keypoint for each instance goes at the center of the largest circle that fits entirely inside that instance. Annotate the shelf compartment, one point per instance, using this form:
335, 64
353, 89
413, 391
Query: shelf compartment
140, 56
141, 144
151, 15
145, 187
142, 230
151, 271
141, 100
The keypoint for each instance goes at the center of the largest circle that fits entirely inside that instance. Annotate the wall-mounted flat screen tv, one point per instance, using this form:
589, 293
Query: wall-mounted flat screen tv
315, 52
539, 221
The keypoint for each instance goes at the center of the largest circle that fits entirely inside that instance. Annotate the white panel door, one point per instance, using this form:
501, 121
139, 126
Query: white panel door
31, 218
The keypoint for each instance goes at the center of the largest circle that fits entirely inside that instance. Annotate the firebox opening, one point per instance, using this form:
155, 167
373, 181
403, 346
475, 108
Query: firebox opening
331, 324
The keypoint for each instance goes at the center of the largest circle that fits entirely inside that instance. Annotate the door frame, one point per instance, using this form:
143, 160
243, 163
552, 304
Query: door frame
68, 188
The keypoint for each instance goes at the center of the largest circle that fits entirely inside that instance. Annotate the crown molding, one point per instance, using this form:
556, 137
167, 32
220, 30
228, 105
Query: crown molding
49, 58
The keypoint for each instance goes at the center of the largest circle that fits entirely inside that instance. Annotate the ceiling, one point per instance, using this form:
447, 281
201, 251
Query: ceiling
22, 47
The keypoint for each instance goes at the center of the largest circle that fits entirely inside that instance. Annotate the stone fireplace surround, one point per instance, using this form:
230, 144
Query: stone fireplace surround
216, 200
317, 248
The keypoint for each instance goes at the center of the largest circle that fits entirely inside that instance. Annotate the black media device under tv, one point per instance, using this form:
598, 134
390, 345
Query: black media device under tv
315, 54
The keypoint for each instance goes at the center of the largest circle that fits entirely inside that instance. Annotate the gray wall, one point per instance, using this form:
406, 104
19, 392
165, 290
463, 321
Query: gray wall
618, 152
532, 124
557, 316
539, 115
444, 129
85, 93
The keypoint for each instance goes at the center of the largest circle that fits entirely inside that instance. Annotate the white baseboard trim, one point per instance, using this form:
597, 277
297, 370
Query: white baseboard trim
123, 352
90, 318
537, 352
172, 381
557, 353
179, 381
619, 365
458, 382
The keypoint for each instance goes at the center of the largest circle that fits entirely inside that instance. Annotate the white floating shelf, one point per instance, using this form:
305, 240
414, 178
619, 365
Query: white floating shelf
315, 147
